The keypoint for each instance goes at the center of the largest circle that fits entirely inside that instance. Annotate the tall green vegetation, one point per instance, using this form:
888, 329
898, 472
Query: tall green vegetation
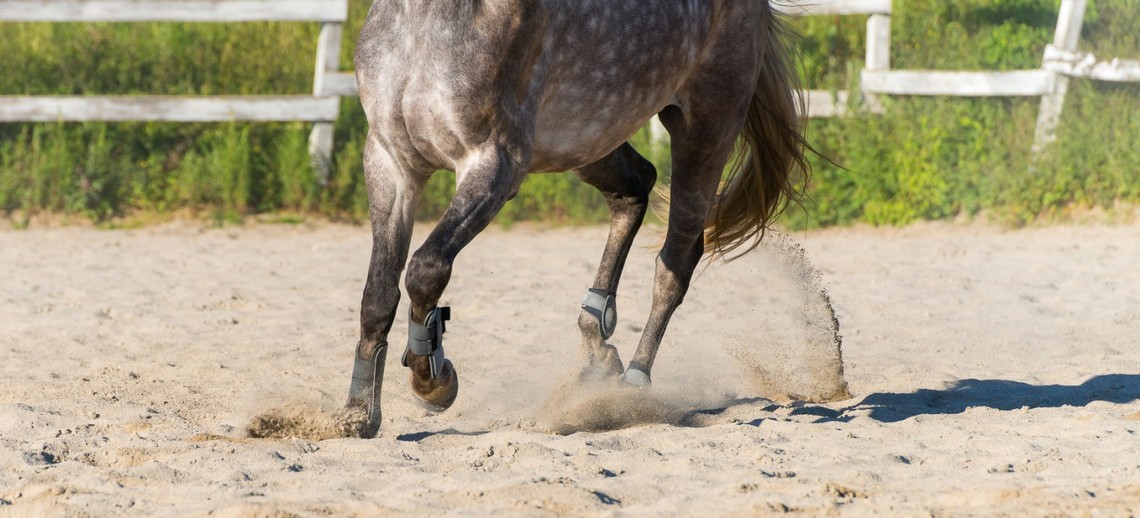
930, 158
925, 158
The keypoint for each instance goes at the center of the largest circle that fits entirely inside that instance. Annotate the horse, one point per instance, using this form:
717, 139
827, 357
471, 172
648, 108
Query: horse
495, 90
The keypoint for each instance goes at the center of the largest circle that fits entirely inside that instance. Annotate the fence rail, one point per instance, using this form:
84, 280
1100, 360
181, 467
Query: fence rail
833, 7
320, 108
1084, 64
1061, 61
823, 103
173, 10
170, 109
958, 84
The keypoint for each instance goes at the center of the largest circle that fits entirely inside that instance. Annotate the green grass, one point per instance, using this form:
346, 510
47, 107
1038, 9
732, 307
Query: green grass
932, 158
926, 158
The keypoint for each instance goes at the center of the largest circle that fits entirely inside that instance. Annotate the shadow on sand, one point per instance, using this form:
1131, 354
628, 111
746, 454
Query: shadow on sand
887, 407
419, 436
973, 393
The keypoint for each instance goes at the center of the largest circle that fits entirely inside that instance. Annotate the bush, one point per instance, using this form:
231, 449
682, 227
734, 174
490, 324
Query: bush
925, 158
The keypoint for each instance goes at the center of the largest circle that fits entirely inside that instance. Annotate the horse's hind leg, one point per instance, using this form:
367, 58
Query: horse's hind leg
488, 181
626, 179
392, 195
701, 147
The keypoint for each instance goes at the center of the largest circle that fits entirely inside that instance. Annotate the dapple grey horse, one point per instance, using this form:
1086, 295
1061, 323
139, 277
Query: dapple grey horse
497, 89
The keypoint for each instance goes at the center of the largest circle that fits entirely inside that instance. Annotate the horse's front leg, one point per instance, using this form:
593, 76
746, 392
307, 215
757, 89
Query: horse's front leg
392, 194
626, 179
488, 180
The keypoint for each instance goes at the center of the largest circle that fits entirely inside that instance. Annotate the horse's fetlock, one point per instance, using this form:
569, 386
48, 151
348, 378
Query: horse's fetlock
587, 323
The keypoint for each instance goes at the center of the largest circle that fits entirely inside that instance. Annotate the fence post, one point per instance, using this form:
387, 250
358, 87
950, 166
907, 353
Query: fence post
878, 52
328, 62
1067, 37
879, 42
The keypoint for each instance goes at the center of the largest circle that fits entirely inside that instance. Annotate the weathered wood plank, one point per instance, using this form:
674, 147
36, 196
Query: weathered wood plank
832, 7
1070, 19
1085, 64
339, 84
322, 138
174, 109
1066, 38
963, 84
824, 104
328, 55
173, 10
878, 42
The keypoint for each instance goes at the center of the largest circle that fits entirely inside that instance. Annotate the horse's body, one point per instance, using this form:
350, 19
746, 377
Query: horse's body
497, 89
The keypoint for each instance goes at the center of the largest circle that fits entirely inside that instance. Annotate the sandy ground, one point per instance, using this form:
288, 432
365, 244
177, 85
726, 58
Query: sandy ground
991, 372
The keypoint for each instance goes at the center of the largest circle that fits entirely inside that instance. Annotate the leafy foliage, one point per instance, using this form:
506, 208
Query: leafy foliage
925, 158
941, 157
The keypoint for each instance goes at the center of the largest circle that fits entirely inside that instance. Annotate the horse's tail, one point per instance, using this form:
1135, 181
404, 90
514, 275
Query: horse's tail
770, 165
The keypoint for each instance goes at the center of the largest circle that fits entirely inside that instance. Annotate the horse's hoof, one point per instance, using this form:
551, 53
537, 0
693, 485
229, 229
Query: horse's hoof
604, 364
437, 395
636, 378
360, 421
363, 405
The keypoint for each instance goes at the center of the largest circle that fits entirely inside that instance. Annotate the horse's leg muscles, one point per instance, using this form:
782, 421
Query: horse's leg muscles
682, 251
485, 185
625, 178
701, 146
392, 195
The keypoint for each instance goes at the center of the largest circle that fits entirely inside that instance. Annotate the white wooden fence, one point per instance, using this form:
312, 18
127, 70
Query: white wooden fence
321, 107
822, 103
1061, 61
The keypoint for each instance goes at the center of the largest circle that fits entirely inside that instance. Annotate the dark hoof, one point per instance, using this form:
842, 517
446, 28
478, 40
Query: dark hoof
439, 394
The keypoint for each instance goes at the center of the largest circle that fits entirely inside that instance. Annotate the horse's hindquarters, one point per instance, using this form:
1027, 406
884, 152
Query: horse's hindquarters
611, 66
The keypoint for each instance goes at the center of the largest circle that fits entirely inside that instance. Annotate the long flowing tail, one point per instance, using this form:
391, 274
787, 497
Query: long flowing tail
770, 165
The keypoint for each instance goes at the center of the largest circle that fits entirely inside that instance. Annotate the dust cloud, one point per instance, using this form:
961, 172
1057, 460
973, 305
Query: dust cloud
787, 338
611, 405
304, 420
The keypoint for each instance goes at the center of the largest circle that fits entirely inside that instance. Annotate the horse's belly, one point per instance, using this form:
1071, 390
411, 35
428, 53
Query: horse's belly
565, 142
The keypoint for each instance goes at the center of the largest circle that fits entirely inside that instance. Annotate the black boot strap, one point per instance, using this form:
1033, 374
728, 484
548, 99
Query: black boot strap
427, 339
